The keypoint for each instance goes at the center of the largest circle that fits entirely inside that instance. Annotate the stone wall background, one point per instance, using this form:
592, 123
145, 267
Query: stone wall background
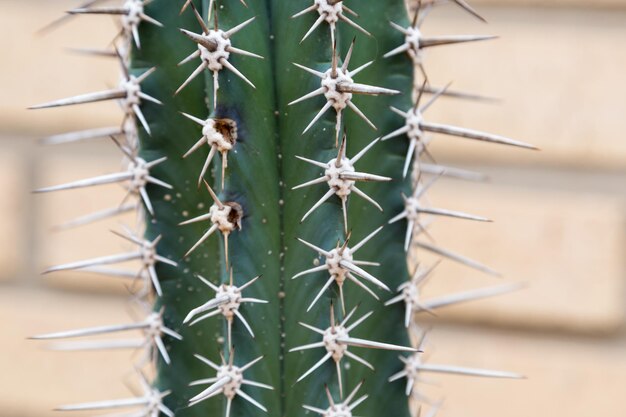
560, 215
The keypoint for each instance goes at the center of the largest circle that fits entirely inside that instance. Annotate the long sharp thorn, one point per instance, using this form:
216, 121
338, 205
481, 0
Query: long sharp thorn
193, 75
320, 293
251, 364
101, 405
147, 97
366, 239
235, 71
312, 162
257, 384
142, 119
315, 25
459, 370
245, 323
363, 151
305, 11
416, 16
83, 135
344, 211
207, 362
311, 271
83, 99
463, 4
315, 248
399, 28
364, 274
352, 341
216, 393
99, 10
310, 71
359, 359
214, 303
435, 96
473, 134
313, 329
249, 283
158, 182
324, 109
250, 400
356, 71
309, 183
351, 396
210, 390
312, 94
457, 258
199, 18
396, 51
346, 61
307, 347
358, 402
75, 346
234, 50
202, 239
451, 213
216, 200
409, 158
202, 141
395, 300
321, 201
329, 396
105, 260
237, 28
363, 286
362, 176
450, 172
339, 379
206, 165
150, 20
91, 331
370, 90
453, 39
398, 132
191, 57
359, 321
361, 115
366, 197
155, 280
314, 409
466, 296
90, 182
397, 376
353, 24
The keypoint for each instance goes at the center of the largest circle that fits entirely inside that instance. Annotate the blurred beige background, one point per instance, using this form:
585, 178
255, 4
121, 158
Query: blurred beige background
560, 214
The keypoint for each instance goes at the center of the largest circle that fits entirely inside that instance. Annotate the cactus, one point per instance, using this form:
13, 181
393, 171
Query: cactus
268, 148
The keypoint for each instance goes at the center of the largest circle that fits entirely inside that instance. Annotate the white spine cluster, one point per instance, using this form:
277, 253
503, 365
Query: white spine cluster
416, 206
149, 334
214, 49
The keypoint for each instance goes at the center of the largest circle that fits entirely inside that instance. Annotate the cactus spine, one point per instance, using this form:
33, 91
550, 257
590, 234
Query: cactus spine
278, 212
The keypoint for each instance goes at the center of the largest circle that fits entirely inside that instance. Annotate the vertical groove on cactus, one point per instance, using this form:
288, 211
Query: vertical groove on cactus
278, 210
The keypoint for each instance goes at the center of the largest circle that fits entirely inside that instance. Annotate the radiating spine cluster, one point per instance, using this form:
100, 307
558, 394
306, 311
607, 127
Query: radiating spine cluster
416, 206
153, 333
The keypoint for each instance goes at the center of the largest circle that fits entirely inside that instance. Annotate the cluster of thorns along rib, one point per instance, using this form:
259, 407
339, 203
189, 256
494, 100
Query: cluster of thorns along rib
415, 130
214, 49
149, 334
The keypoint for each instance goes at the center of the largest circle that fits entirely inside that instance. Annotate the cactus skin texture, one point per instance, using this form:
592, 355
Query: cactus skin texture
258, 231
260, 175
